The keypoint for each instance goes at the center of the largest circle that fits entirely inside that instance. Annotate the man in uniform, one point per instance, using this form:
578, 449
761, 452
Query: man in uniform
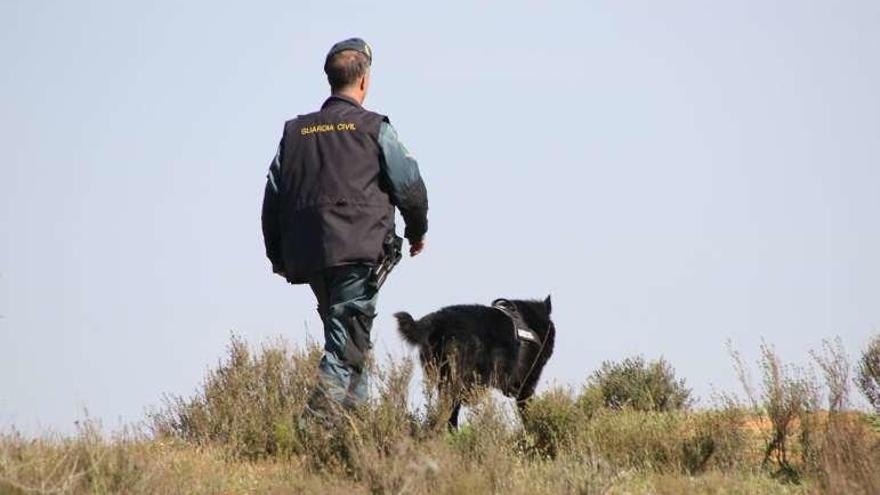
328, 216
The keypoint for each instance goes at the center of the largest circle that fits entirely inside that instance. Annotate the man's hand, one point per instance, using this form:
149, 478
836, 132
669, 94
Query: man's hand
416, 247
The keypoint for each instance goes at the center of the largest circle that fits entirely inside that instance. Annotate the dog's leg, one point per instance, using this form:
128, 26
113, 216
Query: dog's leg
521, 405
453, 418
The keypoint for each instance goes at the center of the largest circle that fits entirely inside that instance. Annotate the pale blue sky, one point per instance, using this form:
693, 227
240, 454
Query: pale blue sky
677, 173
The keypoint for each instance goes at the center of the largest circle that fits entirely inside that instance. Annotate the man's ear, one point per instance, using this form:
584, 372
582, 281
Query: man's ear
548, 304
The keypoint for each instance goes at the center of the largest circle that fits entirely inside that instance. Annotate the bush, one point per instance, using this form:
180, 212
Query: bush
847, 456
717, 439
636, 384
83, 463
666, 442
835, 366
558, 425
845, 451
868, 376
790, 398
569, 443
591, 401
249, 403
550, 422
643, 440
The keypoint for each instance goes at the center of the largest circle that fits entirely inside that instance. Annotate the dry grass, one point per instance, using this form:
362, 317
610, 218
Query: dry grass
240, 434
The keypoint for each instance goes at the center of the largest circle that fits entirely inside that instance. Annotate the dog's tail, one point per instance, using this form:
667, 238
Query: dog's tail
409, 329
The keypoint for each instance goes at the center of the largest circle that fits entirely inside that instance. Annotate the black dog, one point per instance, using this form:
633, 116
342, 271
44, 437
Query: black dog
504, 346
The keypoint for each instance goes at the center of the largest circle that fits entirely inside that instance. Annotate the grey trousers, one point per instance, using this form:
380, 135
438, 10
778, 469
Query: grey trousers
347, 306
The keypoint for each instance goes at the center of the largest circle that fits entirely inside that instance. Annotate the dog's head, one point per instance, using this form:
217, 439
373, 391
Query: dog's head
537, 315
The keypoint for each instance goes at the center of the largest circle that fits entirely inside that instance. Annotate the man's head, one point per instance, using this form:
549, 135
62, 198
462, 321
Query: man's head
348, 68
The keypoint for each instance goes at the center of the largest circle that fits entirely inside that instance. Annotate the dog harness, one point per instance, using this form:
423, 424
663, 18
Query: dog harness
521, 331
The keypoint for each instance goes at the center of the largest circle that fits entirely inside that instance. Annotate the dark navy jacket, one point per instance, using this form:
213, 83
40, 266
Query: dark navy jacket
332, 188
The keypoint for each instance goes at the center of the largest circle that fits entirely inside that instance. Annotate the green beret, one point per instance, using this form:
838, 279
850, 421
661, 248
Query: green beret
355, 44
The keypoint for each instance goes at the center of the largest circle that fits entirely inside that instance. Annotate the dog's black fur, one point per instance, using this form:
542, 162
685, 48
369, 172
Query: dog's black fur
480, 341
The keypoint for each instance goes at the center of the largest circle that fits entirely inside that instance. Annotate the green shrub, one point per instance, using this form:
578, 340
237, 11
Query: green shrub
790, 399
716, 439
643, 386
874, 422
835, 366
667, 442
551, 421
569, 443
636, 439
249, 403
868, 375
591, 401
84, 463
847, 454
488, 429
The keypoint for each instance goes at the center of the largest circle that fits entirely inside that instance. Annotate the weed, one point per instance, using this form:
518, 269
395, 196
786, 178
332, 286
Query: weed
240, 433
868, 376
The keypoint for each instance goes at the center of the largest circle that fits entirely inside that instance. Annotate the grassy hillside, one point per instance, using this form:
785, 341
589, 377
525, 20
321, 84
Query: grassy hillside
240, 434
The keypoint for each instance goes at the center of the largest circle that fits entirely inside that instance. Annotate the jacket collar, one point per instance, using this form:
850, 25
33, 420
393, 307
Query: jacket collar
337, 99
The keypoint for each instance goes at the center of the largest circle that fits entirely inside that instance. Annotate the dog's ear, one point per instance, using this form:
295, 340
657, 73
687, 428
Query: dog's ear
548, 304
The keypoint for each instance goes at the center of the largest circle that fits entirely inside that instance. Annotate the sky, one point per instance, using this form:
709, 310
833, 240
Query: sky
678, 174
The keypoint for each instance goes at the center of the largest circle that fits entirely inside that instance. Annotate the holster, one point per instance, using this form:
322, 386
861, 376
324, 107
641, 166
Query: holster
392, 253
